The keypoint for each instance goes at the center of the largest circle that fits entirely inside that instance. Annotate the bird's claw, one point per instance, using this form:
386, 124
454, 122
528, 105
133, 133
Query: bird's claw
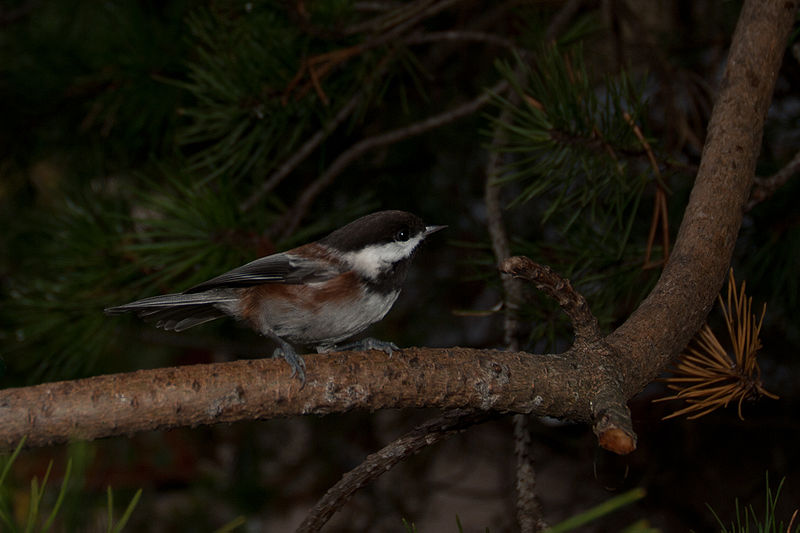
295, 362
370, 344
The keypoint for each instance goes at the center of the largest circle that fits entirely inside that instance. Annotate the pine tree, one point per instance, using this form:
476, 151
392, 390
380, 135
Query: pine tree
151, 146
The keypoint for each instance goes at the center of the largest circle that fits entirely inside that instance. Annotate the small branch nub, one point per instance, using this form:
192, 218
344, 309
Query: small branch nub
561, 290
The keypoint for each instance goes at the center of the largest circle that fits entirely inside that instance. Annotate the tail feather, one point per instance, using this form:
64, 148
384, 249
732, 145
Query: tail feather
177, 312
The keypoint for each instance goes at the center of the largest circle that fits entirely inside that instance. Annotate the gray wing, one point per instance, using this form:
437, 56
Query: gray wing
277, 268
212, 299
180, 311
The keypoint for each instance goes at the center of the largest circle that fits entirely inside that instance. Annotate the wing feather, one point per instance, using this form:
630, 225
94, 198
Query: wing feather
278, 268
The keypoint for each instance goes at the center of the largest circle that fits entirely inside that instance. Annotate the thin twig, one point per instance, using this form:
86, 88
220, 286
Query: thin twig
459, 35
528, 508
512, 288
396, 21
380, 462
763, 188
376, 6
660, 217
294, 216
562, 19
318, 66
311, 144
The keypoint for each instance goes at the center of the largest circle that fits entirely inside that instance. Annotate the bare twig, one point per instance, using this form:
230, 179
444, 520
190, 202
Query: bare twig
560, 289
291, 220
317, 67
528, 509
393, 23
512, 288
378, 6
312, 143
660, 218
763, 188
562, 19
303, 152
431, 432
459, 35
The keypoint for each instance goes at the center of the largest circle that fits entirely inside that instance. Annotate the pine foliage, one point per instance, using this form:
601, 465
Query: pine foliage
574, 159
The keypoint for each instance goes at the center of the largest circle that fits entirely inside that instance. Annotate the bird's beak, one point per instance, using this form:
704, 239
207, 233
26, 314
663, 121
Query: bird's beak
429, 230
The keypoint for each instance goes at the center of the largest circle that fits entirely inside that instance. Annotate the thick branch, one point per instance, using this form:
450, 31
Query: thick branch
563, 385
676, 308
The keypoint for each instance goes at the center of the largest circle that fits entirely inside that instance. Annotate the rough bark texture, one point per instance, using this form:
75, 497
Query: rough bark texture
590, 382
558, 385
676, 308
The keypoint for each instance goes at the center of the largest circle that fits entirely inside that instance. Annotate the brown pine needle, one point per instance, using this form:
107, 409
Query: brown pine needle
706, 376
660, 210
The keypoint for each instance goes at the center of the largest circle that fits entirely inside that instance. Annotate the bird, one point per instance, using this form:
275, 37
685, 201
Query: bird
318, 294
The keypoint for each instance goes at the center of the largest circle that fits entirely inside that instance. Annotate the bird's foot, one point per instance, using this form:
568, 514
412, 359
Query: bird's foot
295, 361
369, 344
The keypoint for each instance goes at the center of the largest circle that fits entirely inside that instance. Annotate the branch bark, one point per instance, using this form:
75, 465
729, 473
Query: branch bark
676, 308
121, 404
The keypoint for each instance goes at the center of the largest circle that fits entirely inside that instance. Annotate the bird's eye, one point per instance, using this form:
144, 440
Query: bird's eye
401, 235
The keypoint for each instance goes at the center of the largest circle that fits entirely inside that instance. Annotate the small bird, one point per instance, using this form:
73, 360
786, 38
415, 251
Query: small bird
318, 294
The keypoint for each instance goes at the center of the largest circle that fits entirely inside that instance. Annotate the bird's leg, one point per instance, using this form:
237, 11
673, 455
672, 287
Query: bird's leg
365, 344
288, 352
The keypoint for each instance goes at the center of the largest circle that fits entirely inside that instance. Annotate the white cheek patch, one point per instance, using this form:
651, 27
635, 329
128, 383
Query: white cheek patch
372, 260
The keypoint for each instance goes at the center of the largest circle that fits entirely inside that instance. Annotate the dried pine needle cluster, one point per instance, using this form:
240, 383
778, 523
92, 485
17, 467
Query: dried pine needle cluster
706, 376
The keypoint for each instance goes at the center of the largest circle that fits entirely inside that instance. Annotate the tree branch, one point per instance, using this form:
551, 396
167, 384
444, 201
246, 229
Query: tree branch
294, 216
560, 289
121, 404
375, 465
302, 153
529, 513
459, 35
763, 188
314, 141
676, 308
610, 415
